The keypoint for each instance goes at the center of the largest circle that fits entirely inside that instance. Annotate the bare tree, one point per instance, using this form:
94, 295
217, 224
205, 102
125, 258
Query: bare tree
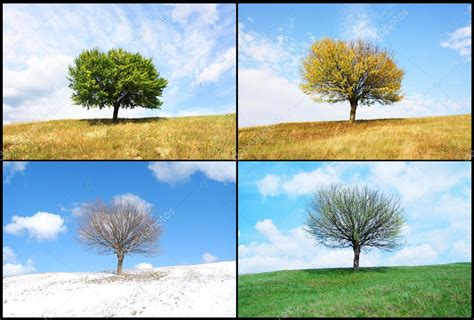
123, 227
355, 217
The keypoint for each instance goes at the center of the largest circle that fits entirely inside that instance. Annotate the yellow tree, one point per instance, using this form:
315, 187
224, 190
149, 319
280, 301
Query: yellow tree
355, 71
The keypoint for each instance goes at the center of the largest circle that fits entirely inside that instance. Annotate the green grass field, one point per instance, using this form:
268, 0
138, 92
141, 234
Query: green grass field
447, 137
425, 291
201, 137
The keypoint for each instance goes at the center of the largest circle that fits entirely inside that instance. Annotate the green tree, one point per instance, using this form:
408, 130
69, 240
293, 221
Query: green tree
355, 217
117, 79
356, 71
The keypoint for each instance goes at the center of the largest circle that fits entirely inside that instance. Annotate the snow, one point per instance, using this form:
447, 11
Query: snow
205, 290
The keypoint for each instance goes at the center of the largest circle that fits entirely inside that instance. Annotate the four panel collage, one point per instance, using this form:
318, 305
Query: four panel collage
237, 160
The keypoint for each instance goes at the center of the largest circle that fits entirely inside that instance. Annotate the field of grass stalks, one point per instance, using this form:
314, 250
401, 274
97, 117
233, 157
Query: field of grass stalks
425, 291
200, 137
447, 137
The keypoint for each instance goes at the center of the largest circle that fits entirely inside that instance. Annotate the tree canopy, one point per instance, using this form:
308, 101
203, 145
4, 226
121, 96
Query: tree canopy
355, 217
117, 79
355, 71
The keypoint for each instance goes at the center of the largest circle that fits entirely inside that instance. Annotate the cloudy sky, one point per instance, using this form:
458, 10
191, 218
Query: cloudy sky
193, 46
195, 202
273, 196
432, 43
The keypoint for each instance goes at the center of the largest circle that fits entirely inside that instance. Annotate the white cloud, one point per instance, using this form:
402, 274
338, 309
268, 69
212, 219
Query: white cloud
77, 207
268, 99
436, 238
460, 40
359, 25
53, 106
175, 172
131, 198
269, 185
10, 168
30, 84
12, 269
457, 206
414, 255
203, 13
8, 254
430, 194
40, 226
76, 210
462, 249
268, 229
413, 181
144, 266
301, 183
213, 72
10, 265
419, 181
209, 258
278, 55
306, 182
258, 47
461, 227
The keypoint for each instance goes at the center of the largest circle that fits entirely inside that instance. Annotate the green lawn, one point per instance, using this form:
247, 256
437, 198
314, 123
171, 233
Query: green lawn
425, 291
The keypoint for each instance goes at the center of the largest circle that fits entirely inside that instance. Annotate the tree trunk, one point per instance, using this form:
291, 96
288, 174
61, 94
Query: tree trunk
353, 111
119, 263
356, 258
116, 109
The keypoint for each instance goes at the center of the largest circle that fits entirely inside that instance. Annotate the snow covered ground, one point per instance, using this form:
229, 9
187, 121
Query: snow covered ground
197, 290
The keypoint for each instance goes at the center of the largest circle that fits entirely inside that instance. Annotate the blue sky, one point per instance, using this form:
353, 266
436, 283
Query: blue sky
194, 200
193, 46
436, 197
431, 42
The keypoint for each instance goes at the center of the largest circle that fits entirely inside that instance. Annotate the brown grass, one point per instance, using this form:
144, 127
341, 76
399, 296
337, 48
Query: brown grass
140, 277
447, 137
201, 137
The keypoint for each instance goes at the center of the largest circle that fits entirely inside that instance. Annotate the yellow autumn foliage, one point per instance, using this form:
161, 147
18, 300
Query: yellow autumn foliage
355, 71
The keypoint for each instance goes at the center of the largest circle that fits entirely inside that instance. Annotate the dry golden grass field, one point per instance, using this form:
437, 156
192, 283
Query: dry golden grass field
446, 137
201, 137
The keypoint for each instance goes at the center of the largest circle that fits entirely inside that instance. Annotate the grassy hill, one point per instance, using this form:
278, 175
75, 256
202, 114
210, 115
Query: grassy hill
425, 291
201, 137
447, 137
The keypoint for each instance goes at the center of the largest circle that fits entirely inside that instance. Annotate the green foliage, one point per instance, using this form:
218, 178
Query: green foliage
353, 216
116, 79
424, 291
